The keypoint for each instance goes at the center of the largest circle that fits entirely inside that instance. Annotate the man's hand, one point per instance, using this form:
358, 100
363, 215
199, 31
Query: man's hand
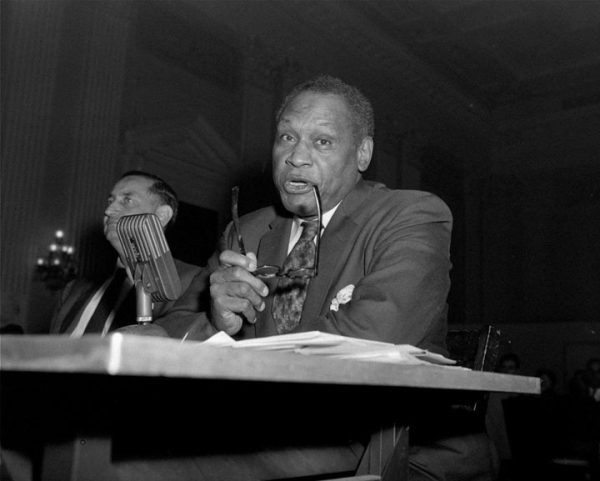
235, 293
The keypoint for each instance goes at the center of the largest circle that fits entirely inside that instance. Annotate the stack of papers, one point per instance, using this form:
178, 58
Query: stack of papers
316, 343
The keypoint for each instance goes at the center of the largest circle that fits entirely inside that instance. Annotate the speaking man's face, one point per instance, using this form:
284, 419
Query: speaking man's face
315, 145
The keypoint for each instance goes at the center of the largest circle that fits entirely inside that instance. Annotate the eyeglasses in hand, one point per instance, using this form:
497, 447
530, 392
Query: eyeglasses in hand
270, 271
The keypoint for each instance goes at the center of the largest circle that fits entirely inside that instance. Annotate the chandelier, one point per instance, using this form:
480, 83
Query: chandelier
58, 266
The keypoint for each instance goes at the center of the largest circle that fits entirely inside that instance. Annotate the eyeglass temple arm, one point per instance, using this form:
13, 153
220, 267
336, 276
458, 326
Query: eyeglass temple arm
320, 218
236, 222
235, 191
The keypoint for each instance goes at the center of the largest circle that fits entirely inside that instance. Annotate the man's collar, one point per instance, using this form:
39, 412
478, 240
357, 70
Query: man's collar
326, 217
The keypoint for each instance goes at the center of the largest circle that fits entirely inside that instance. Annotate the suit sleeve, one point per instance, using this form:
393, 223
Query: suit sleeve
400, 294
186, 317
189, 316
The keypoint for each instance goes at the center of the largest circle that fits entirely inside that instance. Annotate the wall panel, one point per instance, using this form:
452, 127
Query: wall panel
30, 43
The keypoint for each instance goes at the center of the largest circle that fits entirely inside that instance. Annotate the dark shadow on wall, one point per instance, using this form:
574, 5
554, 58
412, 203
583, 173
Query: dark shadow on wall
443, 175
193, 237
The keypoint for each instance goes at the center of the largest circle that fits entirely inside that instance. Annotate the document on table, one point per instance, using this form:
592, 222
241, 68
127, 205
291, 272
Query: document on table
316, 343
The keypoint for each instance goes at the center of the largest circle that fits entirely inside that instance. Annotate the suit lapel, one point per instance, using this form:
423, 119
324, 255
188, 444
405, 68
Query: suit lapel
272, 247
335, 243
70, 312
126, 313
272, 250
332, 257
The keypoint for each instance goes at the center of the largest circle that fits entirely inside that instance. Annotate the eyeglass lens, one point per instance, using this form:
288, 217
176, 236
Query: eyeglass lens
270, 271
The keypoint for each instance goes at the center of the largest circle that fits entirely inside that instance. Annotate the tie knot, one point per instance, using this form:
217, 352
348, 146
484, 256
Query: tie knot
309, 229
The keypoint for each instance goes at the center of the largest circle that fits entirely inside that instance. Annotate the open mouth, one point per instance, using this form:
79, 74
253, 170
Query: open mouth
298, 186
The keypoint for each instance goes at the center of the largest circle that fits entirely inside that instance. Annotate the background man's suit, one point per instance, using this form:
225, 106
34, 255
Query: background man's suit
77, 293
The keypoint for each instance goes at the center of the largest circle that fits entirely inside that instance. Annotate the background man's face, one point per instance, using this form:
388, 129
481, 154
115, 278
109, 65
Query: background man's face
129, 196
315, 145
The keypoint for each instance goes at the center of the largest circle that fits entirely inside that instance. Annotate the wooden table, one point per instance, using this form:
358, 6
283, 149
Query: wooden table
129, 407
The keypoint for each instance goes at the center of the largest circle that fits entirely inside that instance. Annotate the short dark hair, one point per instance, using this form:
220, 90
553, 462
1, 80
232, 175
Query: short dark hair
159, 188
361, 110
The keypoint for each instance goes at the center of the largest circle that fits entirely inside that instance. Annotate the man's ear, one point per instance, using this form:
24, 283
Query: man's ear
365, 152
164, 213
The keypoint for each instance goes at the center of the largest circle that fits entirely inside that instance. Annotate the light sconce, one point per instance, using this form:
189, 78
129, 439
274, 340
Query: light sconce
58, 266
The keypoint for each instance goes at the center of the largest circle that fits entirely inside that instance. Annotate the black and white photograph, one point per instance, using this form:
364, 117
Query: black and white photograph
301, 240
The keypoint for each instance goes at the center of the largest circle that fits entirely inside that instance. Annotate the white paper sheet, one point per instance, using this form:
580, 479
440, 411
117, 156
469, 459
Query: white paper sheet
316, 343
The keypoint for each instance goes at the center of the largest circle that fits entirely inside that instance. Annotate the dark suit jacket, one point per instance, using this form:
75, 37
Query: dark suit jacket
391, 245
77, 293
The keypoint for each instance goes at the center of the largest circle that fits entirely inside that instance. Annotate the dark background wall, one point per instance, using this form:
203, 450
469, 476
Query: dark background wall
473, 102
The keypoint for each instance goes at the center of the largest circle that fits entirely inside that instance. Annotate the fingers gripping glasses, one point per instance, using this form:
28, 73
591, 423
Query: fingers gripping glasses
270, 271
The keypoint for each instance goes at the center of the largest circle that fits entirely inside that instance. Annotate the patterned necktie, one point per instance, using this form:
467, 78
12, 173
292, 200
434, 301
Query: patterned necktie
107, 303
290, 294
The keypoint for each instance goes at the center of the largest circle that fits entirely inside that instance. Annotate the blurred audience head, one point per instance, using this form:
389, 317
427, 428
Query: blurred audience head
509, 364
9, 314
577, 386
548, 380
592, 376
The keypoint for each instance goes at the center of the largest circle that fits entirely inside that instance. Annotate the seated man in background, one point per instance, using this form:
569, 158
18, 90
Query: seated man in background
383, 268
88, 307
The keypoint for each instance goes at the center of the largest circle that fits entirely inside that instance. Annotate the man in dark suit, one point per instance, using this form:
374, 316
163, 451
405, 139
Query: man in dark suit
384, 262
382, 274
99, 308
383, 268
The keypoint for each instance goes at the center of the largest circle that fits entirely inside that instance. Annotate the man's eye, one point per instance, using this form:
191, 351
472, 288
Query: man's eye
323, 142
286, 138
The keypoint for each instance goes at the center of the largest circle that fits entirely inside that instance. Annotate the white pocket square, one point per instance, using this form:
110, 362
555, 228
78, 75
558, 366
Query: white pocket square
342, 297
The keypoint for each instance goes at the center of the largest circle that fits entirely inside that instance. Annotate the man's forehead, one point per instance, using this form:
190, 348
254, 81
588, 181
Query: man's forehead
325, 102
132, 184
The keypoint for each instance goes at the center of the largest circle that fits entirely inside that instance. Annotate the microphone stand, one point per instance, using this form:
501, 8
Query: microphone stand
143, 304
149, 260
143, 298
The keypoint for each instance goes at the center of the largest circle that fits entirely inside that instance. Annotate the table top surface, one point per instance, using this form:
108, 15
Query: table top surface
127, 355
